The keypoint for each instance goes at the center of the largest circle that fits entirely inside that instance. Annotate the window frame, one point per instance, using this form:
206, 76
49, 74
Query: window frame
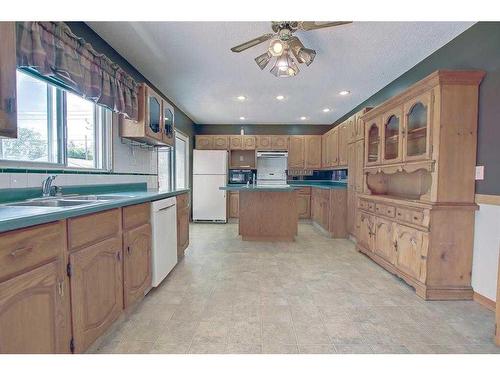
186, 139
103, 132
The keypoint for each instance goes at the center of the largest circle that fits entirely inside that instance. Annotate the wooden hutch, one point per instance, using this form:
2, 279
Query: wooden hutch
415, 215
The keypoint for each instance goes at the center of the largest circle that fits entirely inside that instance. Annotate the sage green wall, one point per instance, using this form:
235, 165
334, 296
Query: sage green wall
476, 48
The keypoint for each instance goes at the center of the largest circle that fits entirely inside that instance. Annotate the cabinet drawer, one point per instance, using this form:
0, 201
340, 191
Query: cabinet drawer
182, 201
85, 230
136, 215
362, 204
410, 216
26, 248
385, 210
371, 206
304, 191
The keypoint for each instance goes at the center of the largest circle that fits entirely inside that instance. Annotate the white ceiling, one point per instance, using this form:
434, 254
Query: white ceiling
192, 64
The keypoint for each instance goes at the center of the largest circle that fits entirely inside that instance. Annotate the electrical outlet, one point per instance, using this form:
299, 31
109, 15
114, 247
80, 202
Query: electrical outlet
479, 172
242, 158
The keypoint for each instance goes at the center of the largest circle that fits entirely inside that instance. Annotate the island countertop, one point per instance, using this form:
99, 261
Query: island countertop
292, 185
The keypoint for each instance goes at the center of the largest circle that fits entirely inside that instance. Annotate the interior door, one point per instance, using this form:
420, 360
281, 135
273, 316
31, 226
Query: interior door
96, 290
137, 263
33, 313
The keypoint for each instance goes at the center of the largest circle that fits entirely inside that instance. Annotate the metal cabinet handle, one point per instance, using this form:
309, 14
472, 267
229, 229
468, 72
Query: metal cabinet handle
395, 243
21, 251
129, 250
119, 256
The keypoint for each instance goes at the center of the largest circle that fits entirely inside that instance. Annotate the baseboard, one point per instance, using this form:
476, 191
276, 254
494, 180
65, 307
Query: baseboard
484, 301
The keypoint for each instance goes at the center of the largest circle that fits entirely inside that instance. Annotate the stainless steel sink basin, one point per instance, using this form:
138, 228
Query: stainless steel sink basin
51, 203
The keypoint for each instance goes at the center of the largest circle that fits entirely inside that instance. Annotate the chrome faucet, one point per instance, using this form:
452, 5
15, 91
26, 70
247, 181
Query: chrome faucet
47, 189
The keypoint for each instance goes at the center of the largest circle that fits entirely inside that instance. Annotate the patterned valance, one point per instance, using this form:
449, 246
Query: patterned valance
53, 51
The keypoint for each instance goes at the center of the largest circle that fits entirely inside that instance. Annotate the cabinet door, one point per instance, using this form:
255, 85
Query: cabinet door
351, 165
8, 112
417, 127
154, 116
358, 171
325, 213
248, 142
333, 148
236, 142
220, 142
304, 206
384, 240
372, 138
392, 136
351, 129
204, 142
137, 264
313, 152
234, 205
182, 230
296, 153
411, 247
342, 132
168, 123
34, 312
279, 142
264, 142
324, 150
351, 212
96, 290
365, 230
360, 127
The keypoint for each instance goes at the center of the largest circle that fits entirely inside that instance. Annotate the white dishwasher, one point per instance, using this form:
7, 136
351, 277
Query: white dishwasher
164, 226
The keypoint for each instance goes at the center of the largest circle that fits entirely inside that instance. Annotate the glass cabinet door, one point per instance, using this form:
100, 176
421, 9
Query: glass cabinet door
154, 115
373, 143
392, 137
417, 128
168, 121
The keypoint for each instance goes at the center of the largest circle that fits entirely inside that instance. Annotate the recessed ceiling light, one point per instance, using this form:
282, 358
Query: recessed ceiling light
344, 92
303, 118
326, 110
242, 118
241, 97
280, 97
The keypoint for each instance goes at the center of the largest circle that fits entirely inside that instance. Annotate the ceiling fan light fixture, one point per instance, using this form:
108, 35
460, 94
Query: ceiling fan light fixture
276, 47
306, 56
263, 60
285, 66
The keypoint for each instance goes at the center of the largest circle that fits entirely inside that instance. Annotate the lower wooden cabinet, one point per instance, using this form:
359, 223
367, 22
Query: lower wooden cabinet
234, 204
96, 290
34, 312
411, 248
137, 271
183, 213
385, 242
329, 210
365, 229
304, 206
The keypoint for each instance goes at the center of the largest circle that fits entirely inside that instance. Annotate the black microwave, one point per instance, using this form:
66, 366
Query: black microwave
241, 176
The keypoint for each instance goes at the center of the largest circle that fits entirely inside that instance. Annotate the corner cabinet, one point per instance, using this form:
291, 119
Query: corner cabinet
8, 66
155, 124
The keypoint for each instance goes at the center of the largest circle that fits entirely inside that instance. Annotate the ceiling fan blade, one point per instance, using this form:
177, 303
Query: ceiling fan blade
252, 43
313, 25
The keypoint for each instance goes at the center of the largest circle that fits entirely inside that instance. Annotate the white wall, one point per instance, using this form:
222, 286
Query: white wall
486, 250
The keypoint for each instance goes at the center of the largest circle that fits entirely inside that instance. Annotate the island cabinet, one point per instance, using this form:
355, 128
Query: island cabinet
234, 204
137, 271
183, 213
34, 291
96, 274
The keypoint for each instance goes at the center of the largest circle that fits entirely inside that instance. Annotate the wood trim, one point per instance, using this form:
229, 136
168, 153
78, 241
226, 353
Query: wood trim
484, 301
487, 199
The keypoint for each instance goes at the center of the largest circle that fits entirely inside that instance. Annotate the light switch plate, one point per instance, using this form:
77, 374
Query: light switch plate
479, 172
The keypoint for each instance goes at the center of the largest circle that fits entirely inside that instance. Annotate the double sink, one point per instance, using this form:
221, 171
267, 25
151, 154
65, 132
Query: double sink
68, 201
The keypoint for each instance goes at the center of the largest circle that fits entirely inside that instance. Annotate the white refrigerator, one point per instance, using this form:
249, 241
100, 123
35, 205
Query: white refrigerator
209, 174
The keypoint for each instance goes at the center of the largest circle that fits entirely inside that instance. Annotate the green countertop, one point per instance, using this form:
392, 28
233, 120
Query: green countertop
293, 185
15, 217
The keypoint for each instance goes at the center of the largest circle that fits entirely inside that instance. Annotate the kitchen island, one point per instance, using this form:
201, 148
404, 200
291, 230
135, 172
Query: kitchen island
267, 213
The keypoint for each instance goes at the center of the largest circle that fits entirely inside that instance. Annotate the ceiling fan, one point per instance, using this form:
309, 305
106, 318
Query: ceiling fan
285, 46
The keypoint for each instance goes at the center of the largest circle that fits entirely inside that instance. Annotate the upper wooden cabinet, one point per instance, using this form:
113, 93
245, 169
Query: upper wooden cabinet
392, 135
417, 127
242, 142
372, 141
264, 142
152, 119
220, 142
342, 142
312, 151
296, 152
8, 103
205, 142
279, 142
